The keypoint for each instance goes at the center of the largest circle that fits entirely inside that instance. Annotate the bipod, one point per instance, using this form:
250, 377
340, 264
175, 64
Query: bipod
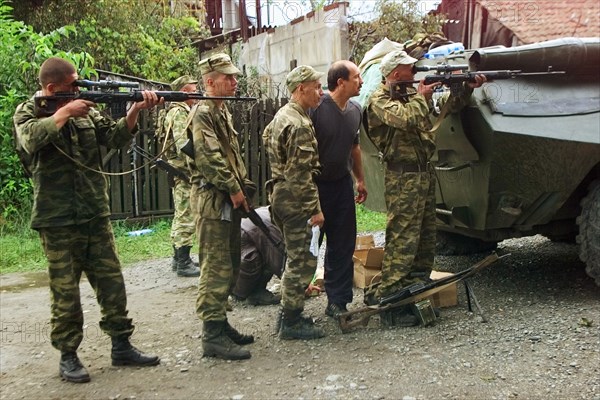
471, 298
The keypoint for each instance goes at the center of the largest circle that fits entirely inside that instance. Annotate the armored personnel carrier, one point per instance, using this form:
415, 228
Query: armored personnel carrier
524, 157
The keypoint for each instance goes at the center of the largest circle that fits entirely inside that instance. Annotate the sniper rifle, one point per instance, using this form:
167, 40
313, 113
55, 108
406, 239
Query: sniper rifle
45, 106
455, 81
409, 295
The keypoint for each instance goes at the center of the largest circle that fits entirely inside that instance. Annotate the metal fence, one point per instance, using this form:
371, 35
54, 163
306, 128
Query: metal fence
145, 192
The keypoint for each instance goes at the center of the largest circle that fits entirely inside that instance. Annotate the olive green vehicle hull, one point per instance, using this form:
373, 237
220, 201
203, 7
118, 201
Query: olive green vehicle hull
525, 155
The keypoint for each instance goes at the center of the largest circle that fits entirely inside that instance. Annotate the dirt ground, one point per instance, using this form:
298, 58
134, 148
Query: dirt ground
542, 341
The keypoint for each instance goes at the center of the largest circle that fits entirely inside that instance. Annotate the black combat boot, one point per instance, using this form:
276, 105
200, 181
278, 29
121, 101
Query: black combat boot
123, 353
216, 343
185, 265
174, 260
237, 337
263, 297
296, 326
71, 369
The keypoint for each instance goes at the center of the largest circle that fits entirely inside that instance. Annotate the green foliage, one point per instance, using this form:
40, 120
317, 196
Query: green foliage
397, 20
368, 221
21, 53
22, 251
132, 37
139, 38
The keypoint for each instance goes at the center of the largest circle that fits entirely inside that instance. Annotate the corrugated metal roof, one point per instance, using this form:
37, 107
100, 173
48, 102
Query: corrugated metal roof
538, 20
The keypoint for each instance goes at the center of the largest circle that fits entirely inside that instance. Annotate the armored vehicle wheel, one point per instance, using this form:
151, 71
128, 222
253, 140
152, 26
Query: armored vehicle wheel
453, 244
589, 231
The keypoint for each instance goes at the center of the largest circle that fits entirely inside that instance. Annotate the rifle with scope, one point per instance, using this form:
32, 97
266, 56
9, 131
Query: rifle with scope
455, 80
45, 106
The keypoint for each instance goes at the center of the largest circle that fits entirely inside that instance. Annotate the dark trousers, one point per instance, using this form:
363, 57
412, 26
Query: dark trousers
337, 204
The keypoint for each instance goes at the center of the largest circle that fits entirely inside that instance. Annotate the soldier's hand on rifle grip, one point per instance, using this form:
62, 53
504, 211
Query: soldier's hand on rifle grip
77, 108
239, 200
427, 90
72, 109
479, 80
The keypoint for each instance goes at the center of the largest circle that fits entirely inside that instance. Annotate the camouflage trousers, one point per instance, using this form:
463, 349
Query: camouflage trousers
183, 226
410, 230
300, 264
219, 253
87, 248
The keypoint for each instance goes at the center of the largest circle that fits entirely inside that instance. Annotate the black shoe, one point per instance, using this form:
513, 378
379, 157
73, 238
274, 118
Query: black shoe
71, 369
185, 267
334, 310
123, 353
236, 299
263, 297
216, 343
294, 325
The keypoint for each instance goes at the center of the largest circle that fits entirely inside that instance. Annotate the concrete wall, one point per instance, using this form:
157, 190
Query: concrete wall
317, 39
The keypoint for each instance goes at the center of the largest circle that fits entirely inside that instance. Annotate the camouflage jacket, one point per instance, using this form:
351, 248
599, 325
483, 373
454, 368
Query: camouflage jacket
210, 126
176, 135
66, 193
293, 154
401, 128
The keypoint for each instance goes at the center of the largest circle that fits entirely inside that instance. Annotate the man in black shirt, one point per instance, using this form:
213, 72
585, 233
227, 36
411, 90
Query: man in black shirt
337, 120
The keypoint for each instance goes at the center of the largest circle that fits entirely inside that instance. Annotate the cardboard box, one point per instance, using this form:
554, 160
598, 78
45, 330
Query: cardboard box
363, 276
370, 258
447, 297
366, 252
367, 270
364, 242
367, 262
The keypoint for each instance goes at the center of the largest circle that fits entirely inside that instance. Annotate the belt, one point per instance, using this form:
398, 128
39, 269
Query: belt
204, 184
402, 167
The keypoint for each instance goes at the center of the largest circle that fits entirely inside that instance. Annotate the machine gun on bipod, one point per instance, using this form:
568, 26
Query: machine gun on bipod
410, 295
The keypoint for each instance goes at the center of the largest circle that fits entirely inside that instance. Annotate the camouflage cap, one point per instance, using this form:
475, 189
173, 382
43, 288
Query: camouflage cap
180, 82
393, 59
219, 62
301, 74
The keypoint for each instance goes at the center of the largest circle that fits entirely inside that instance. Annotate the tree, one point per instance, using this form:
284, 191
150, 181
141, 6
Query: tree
148, 39
397, 20
22, 51
140, 38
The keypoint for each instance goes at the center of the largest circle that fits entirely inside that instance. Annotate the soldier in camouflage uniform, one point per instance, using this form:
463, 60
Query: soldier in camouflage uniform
71, 214
401, 130
183, 227
292, 147
217, 191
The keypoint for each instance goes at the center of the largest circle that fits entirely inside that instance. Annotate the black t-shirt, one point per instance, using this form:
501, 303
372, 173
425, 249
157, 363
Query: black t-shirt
337, 132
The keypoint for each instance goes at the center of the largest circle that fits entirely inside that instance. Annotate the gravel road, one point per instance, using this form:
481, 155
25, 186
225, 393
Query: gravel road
541, 341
